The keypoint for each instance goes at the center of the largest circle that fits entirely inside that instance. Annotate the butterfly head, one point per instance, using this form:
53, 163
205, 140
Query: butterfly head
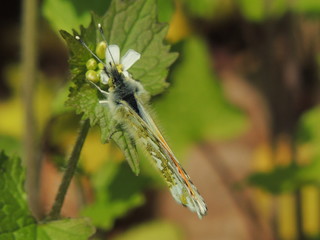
115, 68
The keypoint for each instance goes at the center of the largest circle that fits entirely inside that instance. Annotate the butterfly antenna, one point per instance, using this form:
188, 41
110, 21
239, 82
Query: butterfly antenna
92, 53
104, 38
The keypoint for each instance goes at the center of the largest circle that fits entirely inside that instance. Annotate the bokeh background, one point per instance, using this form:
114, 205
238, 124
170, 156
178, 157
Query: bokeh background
241, 113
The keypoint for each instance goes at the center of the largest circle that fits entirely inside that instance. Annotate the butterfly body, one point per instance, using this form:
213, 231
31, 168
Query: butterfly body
126, 99
124, 90
129, 111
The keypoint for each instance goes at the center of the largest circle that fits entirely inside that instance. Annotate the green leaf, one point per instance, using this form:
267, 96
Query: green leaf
308, 128
68, 14
253, 9
133, 24
11, 144
156, 230
14, 212
259, 10
117, 191
308, 132
203, 8
195, 108
165, 10
86, 102
25, 233
287, 179
16, 221
277, 181
292, 177
71, 229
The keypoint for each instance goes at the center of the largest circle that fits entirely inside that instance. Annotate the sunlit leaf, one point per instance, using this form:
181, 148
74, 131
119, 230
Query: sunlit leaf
16, 221
134, 24
71, 229
165, 10
14, 211
74, 14
308, 129
11, 144
156, 230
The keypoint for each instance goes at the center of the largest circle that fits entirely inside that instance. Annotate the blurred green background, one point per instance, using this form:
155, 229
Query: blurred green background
241, 114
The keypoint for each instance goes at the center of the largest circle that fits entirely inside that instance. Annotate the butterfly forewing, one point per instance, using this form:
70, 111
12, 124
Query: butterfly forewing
149, 138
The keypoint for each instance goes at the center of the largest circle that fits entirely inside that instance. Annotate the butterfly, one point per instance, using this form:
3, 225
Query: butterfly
126, 100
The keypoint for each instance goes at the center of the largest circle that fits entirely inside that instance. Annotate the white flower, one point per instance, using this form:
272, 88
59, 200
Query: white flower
123, 64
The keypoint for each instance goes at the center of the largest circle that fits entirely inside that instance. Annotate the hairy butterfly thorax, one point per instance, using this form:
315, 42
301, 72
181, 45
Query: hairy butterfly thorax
126, 98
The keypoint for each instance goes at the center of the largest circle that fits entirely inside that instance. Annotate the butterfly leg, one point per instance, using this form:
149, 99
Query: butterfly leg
104, 93
103, 101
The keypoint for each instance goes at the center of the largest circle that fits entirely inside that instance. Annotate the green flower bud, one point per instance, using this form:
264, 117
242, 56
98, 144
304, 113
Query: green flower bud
101, 50
91, 64
92, 76
100, 66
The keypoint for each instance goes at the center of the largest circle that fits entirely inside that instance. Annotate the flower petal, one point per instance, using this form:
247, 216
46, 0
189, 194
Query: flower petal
104, 78
129, 59
126, 74
112, 54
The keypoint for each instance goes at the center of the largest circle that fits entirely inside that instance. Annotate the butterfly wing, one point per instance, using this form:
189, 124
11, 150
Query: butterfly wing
128, 147
143, 129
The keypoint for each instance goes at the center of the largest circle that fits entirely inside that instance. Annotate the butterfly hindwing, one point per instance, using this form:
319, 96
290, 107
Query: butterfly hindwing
149, 138
128, 146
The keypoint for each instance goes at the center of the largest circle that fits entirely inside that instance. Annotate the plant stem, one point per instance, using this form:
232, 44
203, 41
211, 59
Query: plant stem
71, 168
29, 71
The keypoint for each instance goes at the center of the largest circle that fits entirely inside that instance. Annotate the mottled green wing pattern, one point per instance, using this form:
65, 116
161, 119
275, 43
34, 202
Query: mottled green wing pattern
128, 147
147, 135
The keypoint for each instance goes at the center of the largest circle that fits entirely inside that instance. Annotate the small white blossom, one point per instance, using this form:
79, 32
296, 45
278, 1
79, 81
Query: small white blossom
122, 64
